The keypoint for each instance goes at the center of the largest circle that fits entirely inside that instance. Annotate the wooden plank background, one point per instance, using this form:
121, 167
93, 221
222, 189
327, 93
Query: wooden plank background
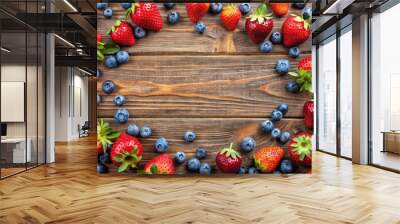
217, 84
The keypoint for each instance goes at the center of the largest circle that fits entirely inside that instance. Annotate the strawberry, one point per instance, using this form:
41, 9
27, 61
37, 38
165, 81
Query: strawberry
146, 15
267, 159
196, 11
121, 33
100, 149
295, 31
280, 9
259, 24
230, 16
99, 39
228, 160
300, 148
303, 75
161, 164
105, 136
308, 110
126, 152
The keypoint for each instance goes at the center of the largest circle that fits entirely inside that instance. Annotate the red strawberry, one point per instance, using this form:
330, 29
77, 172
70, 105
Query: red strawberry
100, 149
295, 31
121, 33
308, 110
300, 148
196, 11
305, 64
126, 152
161, 164
303, 75
280, 9
146, 15
228, 160
99, 39
259, 24
230, 16
267, 159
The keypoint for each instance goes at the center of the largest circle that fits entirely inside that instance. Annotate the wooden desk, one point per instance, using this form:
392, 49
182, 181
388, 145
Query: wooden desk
391, 141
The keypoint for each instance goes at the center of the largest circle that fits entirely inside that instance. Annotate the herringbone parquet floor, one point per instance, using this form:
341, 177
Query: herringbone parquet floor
70, 191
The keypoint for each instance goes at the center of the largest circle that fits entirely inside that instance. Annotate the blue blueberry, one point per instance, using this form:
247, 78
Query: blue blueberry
248, 144
145, 132
267, 126
216, 8
139, 32
189, 136
276, 37
252, 170
292, 87
126, 5
101, 168
299, 5
282, 66
307, 13
201, 153
205, 168
98, 98
173, 17
245, 8
180, 157
169, 5
121, 116
284, 108
105, 158
122, 57
98, 74
111, 61
101, 6
108, 86
161, 145
200, 27
294, 52
193, 165
286, 166
276, 133
133, 130
119, 100
108, 12
276, 115
266, 46
285, 137
242, 170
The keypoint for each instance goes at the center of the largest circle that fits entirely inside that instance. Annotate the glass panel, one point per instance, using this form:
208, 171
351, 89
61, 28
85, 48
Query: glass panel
41, 99
327, 96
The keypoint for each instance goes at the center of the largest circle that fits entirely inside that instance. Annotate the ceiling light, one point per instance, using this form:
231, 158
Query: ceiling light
70, 5
64, 40
5, 50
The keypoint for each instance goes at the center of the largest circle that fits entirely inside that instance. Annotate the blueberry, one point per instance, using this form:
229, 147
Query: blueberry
101, 6
122, 57
98, 99
108, 12
108, 86
285, 137
189, 136
282, 66
252, 170
180, 157
267, 126
200, 27
276, 115
292, 87
205, 168
276, 133
98, 74
299, 5
105, 158
169, 5
145, 132
119, 100
201, 153
276, 37
111, 61
242, 170
286, 166
266, 46
248, 144
133, 130
161, 145
126, 5
283, 107
121, 116
193, 165
139, 32
101, 168
173, 17
294, 52
307, 13
216, 8
245, 8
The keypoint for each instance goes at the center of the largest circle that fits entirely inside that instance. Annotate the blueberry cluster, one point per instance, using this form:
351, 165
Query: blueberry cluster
268, 126
112, 61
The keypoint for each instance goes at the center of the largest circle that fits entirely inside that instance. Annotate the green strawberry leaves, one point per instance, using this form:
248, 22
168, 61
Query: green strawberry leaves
105, 134
106, 49
302, 146
304, 79
260, 14
153, 169
128, 160
230, 152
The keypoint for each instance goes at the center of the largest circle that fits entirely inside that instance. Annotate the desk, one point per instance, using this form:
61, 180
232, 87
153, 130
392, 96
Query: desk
391, 141
16, 146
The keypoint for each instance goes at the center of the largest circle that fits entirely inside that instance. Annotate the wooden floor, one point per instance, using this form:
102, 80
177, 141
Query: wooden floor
70, 191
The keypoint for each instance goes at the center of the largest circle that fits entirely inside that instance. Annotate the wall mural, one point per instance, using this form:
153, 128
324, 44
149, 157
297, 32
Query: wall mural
204, 88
